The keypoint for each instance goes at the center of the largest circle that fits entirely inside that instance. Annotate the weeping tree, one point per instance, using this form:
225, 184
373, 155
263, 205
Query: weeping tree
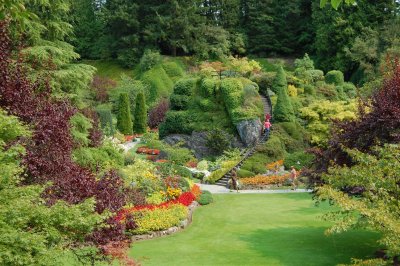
124, 119
140, 114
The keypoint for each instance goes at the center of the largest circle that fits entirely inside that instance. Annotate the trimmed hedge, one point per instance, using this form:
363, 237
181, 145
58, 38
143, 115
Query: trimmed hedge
205, 197
335, 77
207, 87
124, 118
245, 173
140, 114
184, 86
179, 102
176, 122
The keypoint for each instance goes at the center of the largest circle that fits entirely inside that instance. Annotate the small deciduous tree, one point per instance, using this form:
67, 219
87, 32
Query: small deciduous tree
124, 119
140, 114
157, 114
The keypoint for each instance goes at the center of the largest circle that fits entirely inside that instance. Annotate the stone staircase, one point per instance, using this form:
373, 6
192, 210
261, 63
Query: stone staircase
251, 150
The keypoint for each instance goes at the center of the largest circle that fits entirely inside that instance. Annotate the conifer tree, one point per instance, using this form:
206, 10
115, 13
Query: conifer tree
140, 114
283, 111
124, 119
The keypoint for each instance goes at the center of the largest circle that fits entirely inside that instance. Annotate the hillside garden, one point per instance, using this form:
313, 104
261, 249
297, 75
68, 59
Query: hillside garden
114, 114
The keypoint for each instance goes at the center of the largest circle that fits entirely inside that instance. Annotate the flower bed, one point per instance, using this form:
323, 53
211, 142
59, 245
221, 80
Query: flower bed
265, 180
145, 150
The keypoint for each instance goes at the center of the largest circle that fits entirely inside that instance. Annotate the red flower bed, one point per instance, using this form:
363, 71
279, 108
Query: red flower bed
130, 138
145, 150
191, 164
151, 158
185, 199
162, 161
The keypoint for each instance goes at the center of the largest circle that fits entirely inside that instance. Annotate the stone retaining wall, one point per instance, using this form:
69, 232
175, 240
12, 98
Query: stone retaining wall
171, 230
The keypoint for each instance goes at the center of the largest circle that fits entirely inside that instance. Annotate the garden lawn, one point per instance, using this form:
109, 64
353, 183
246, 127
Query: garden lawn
257, 229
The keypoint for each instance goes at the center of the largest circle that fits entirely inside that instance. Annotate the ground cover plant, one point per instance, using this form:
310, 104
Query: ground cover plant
257, 230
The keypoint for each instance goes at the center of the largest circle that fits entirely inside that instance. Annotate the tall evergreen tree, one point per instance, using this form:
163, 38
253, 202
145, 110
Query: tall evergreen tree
124, 119
140, 114
283, 111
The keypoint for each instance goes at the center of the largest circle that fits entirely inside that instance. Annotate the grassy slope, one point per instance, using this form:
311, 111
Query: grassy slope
281, 229
110, 69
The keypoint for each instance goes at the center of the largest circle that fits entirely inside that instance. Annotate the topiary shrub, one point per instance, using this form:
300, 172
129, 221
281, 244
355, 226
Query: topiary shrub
140, 114
335, 77
264, 81
232, 90
298, 159
315, 75
173, 69
184, 86
179, 102
206, 105
245, 173
205, 197
124, 119
283, 111
207, 87
176, 122
149, 59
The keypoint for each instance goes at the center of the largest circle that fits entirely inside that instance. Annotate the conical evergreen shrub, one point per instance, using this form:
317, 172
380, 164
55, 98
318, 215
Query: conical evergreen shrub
124, 119
283, 111
140, 124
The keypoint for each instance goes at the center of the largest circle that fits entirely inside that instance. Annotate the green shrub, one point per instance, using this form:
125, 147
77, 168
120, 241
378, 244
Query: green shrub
315, 75
184, 86
124, 119
245, 173
340, 93
208, 86
350, 89
176, 122
327, 90
232, 91
202, 165
218, 140
205, 197
264, 81
129, 158
173, 69
309, 89
149, 59
179, 102
80, 126
335, 77
206, 105
256, 164
293, 129
283, 111
140, 114
106, 122
178, 155
299, 160
105, 157
273, 149
159, 84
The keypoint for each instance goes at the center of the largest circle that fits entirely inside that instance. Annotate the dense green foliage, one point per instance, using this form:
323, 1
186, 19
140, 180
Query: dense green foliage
140, 124
283, 111
124, 118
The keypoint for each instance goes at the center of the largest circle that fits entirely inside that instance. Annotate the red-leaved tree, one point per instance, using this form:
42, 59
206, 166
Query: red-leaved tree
157, 114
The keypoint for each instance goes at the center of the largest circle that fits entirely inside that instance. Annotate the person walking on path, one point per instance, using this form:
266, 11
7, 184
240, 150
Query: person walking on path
293, 176
267, 126
234, 180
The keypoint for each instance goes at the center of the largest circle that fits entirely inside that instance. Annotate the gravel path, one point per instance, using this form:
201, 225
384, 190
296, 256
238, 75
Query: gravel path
220, 190
129, 145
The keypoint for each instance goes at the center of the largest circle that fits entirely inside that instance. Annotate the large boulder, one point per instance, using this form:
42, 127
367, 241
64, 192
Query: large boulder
249, 131
197, 142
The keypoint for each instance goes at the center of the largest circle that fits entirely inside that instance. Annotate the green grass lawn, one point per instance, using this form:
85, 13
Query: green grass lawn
256, 229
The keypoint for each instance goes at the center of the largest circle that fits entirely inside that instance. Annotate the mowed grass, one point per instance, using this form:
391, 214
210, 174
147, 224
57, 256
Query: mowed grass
257, 229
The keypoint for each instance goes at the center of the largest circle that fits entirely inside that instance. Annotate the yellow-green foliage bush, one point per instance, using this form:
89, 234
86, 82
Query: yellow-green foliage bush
141, 174
319, 115
159, 218
156, 198
292, 91
218, 174
243, 65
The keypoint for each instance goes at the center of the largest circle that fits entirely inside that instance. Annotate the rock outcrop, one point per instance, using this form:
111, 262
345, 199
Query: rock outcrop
249, 131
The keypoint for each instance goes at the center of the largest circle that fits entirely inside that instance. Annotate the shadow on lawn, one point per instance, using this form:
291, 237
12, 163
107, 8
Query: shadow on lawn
309, 245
